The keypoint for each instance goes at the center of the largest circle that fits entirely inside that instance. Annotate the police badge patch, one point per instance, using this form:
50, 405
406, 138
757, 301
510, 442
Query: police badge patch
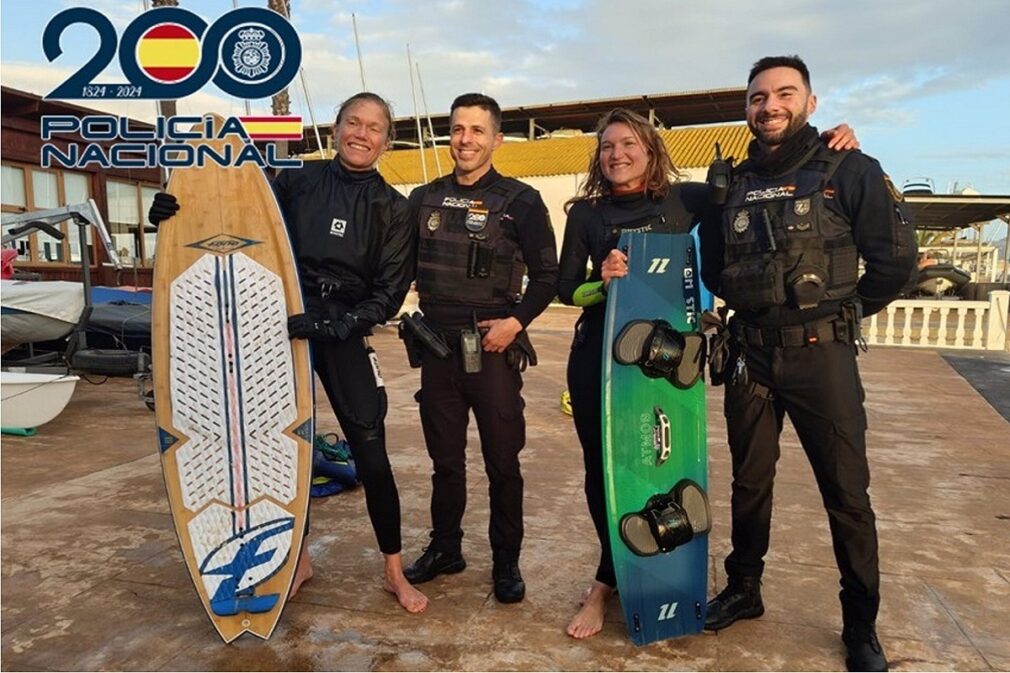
741, 222
801, 207
434, 220
251, 56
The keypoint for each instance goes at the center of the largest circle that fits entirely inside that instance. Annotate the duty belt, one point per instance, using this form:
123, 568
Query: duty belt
451, 336
833, 329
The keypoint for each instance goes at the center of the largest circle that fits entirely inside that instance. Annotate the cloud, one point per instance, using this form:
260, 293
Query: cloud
526, 52
971, 154
885, 67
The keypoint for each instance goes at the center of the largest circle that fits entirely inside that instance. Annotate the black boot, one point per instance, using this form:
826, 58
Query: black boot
741, 599
432, 564
508, 582
862, 649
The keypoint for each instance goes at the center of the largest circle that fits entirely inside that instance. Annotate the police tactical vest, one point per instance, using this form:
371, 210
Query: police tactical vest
465, 254
783, 245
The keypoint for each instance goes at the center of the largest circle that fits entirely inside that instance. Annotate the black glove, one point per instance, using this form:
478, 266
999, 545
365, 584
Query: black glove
520, 353
164, 206
314, 326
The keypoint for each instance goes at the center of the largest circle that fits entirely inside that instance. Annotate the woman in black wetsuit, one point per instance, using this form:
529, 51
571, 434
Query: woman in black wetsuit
354, 248
628, 187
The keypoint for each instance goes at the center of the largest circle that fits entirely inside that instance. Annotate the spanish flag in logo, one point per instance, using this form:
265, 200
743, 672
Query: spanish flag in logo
273, 128
168, 53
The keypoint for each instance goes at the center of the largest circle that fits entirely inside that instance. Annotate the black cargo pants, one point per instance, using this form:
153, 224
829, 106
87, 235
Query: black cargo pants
446, 397
818, 386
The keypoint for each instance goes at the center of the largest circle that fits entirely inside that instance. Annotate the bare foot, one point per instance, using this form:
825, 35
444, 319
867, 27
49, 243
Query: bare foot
303, 571
412, 600
585, 595
588, 621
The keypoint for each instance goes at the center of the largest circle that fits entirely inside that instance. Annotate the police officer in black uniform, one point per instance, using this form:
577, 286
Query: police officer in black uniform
355, 253
783, 252
477, 232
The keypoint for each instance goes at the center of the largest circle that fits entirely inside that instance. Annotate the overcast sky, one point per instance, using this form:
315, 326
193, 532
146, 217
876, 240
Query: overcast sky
925, 83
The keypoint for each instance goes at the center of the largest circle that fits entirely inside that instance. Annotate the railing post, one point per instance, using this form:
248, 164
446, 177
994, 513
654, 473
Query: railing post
996, 330
927, 311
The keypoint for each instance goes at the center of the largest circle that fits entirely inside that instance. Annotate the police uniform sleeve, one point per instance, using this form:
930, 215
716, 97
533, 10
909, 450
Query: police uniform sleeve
574, 253
536, 239
396, 267
881, 229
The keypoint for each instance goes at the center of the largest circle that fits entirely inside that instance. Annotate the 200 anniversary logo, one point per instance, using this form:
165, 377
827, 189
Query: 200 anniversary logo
169, 53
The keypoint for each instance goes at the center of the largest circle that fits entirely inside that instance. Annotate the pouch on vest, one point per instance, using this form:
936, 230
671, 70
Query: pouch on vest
480, 258
668, 520
661, 351
753, 284
807, 285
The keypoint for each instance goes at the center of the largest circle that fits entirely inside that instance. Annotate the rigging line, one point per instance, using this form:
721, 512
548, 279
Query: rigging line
248, 110
357, 47
302, 105
417, 119
431, 128
308, 106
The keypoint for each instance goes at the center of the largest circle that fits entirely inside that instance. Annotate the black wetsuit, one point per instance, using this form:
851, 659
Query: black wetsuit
591, 232
448, 393
802, 362
354, 249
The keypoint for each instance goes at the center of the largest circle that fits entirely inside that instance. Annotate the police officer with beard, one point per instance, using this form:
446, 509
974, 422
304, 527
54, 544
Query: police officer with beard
477, 232
783, 251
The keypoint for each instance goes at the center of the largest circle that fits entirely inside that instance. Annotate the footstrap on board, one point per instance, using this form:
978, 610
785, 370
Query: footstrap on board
668, 520
661, 351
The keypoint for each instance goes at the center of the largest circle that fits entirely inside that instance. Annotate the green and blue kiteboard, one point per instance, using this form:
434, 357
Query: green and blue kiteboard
655, 459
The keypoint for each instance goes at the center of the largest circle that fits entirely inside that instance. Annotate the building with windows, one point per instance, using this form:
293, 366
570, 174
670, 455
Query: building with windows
122, 195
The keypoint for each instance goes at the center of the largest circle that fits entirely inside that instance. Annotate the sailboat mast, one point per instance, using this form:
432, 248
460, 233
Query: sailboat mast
431, 128
357, 47
417, 119
165, 108
248, 109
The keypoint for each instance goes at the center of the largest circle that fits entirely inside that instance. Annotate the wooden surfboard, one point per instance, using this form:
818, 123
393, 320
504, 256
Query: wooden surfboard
233, 394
